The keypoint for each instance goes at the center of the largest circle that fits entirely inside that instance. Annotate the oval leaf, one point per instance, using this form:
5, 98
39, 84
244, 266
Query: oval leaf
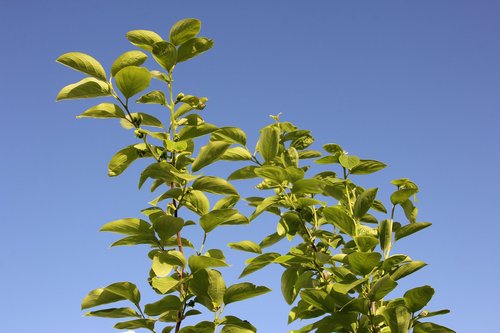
130, 58
86, 88
184, 30
83, 63
132, 80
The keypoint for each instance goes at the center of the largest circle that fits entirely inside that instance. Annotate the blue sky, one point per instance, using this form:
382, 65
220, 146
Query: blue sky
415, 84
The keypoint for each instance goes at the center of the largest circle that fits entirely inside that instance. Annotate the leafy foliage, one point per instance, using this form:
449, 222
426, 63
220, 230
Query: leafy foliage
338, 274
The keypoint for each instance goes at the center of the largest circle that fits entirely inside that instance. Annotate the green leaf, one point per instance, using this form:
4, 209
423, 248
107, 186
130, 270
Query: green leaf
160, 267
184, 30
197, 202
166, 226
132, 80
364, 201
144, 39
349, 161
240, 291
317, 298
259, 262
417, 298
246, 172
189, 132
130, 58
103, 110
214, 185
122, 160
230, 135
218, 217
193, 48
364, 262
202, 327
410, 211
237, 154
165, 54
83, 63
270, 240
397, 317
144, 119
114, 292
276, 174
345, 287
400, 196
226, 202
164, 284
305, 154
431, 328
288, 281
167, 303
308, 186
232, 322
136, 323
427, 314
208, 284
209, 154
201, 262
411, 229
407, 269
128, 226
338, 216
385, 235
136, 240
246, 245
268, 144
365, 243
161, 170
366, 167
86, 88
381, 288
153, 97
114, 313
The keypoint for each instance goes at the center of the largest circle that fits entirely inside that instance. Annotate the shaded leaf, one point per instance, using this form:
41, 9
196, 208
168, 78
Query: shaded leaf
366, 167
417, 298
240, 291
364, 201
193, 48
246, 245
259, 262
114, 313
340, 219
411, 229
209, 154
184, 30
144, 39
165, 54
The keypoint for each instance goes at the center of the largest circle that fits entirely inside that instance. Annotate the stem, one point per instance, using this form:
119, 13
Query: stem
202, 243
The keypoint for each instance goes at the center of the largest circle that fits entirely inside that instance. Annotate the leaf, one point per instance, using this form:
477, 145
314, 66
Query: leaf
270, 240
201, 262
83, 63
130, 58
364, 201
132, 80
167, 303
417, 298
366, 167
218, 217
202, 327
128, 226
381, 288
209, 154
317, 298
161, 170
189, 132
349, 161
232, 322
165, 54
230, 135
246, 172
308, 186
385, 235
164, 284
86, 88
193, 48
144, 39
166, 226
340, 219
136, 323
122, 160
103, 110
268, 143
240, 291
259, 262
246, 245
214, 185
135, 240
114, 292
184, 30
276, 174
237, 154
345, 287
288, 280
397, 318
407, 269
227, 202
114, 313
197, 202
364, 262
305, 154
365, 243
400, 196
411, 229
431, 328
144, 118
208, 283
153, 97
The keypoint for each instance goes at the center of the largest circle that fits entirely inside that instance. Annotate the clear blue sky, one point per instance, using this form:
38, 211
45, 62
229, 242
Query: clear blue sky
415, 84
